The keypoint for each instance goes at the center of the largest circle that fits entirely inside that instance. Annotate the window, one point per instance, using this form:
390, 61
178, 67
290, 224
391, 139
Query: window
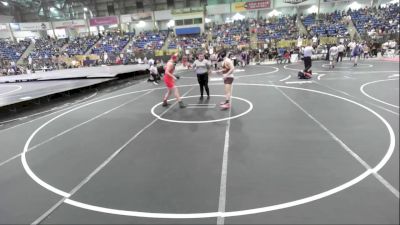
197, 21
188, 21
170, 3
178, 22
139, 5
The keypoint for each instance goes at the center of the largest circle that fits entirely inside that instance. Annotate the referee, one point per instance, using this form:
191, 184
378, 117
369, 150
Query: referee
202, 68
308, 51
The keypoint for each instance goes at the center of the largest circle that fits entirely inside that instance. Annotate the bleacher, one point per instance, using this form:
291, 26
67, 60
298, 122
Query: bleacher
80, 45
12, 51
329, 25
150, 40
111, 43
187, 41
47, 48
383, 19
277, 29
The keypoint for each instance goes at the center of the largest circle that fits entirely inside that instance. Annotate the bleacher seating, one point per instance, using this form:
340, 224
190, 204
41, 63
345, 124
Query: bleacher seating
150, 40
111, 43
12, 51
80, 45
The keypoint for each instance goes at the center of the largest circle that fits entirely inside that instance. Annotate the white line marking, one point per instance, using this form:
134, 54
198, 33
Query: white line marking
224, 170
354, 72
369, 96
200, 107
344, 146
258, 74
305, 200
345, 93
26, 149
25, 98
9, 128
18, 88
216, 79
201, 104
101, 166
55, 108
286, 78
394, 75
203, 121
299, 82
319, 77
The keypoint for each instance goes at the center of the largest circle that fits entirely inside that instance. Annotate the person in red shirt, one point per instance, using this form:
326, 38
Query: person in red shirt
169, 80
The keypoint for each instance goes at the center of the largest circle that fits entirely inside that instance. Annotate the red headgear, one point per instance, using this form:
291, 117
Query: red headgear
174, 57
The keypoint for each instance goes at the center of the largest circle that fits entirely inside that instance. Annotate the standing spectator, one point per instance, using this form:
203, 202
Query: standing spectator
333, 55
308, 51
341, 52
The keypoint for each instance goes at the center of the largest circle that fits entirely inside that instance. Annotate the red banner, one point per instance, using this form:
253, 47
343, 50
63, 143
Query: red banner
257, 5
107, 20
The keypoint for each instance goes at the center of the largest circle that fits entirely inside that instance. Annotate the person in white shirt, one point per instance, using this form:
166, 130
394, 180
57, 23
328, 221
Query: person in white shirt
202, 68
153, 72
307, 53
341, 49
333, 55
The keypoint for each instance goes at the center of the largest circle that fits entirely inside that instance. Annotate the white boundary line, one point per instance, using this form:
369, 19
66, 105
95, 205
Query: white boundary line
203, 121
224, 169
330, 71
35, 114
101, 166
286, 78
18, 88
301, 201
73, 128
213, 77
300, 82
347, 67
345, 93
344, 146
18, 125
369, 96
319, 76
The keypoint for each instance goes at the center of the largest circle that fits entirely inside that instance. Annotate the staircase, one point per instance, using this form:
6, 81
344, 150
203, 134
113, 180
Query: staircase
253, 40
167, 41
300, 26
89, 51
354, 35
26, 53
128, 44
63, 48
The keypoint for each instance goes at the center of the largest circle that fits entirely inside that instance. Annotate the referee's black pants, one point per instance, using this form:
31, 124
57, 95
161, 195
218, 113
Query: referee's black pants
307, 63
202, 78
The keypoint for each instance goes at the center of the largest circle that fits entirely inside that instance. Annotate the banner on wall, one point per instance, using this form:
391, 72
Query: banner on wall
107, 20
3, 27
30, 26
69, 24
136, 17
247, 6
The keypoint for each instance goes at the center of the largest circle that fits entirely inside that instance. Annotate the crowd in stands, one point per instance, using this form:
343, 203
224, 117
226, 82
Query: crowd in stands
187, 41
111, 42
327, 24
150, 40
80, 45
376, 20
114, 48
12, 51
275, 28
228, 34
